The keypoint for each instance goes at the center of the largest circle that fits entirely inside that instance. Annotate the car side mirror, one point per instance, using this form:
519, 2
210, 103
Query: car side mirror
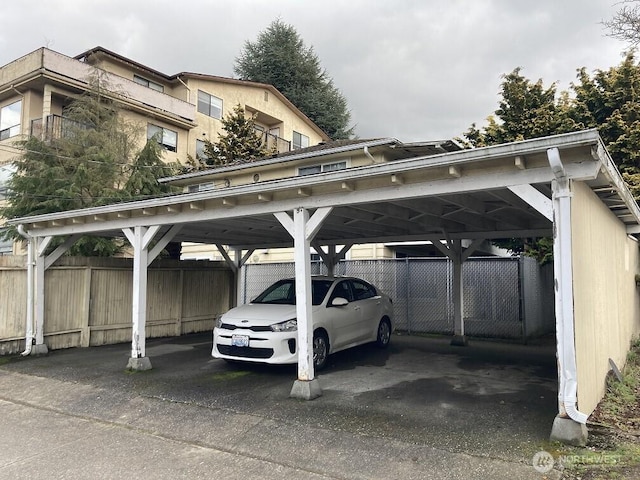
339, 302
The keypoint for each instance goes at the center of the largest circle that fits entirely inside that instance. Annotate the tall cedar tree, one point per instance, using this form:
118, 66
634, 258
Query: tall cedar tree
87, 158
241, 141
279, 57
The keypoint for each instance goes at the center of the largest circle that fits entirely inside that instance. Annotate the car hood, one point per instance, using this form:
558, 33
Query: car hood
260, 314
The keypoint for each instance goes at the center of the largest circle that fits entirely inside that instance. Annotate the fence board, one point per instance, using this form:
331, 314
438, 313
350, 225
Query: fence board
88, 301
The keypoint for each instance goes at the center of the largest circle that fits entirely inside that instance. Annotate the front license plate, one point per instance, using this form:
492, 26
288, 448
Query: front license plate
240, 340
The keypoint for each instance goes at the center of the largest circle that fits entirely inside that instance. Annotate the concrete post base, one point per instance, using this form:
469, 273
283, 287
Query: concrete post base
39, 349
306, 390
569, 432
139, 364
459, 341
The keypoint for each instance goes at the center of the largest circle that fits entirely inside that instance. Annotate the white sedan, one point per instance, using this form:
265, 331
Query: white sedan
346, 312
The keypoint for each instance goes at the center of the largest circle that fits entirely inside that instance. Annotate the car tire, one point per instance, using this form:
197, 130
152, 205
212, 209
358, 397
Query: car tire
320, 350
384, 333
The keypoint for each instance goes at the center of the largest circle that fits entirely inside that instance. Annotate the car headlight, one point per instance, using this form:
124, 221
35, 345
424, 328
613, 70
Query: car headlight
219, 321
288, 326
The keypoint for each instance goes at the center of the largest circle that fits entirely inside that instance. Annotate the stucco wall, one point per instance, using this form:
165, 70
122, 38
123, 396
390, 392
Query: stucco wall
606, 301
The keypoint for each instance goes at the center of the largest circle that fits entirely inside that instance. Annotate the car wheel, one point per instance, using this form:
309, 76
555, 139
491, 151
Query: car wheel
320, 350
384, 333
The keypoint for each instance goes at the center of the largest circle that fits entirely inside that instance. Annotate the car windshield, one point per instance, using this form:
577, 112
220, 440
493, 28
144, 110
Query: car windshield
283, 292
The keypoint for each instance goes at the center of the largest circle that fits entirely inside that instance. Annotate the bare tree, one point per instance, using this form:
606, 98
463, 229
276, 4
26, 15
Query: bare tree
625, 25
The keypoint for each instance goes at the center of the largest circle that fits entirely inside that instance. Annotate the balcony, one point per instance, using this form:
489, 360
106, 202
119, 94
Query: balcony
54, 127
62, 70
273, 142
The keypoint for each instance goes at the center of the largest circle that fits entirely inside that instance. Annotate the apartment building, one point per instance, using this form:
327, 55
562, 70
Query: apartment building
181, 110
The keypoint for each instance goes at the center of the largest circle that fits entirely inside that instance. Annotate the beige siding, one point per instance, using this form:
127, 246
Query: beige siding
606, 300
88, 301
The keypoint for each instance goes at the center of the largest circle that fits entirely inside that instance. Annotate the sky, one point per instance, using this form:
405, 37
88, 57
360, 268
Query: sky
415, 70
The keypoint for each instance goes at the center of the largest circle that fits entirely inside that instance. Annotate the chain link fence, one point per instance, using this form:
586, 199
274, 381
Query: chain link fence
503, 297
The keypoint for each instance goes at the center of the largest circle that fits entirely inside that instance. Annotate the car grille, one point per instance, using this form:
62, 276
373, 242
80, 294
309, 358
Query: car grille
228, 326
245, 352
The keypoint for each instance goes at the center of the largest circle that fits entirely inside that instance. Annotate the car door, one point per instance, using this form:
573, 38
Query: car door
368, 302
345, 319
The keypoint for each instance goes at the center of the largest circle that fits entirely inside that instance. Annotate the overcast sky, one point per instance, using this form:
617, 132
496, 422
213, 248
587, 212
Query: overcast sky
411, 69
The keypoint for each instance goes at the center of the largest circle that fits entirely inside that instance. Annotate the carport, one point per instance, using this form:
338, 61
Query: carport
564, 186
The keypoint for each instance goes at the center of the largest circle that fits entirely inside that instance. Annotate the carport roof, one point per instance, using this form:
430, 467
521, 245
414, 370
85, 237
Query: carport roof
461, 194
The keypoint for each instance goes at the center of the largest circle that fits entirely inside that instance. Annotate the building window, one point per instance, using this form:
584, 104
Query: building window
165, 137
200, 187
10, 120
300, 140
209, 105
148, 83
327, 167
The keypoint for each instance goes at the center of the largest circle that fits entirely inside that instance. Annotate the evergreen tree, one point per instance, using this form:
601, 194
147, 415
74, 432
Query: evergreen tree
526, 110
142, 181
240, 143
610, 101
607, 100
88, 160
279, 57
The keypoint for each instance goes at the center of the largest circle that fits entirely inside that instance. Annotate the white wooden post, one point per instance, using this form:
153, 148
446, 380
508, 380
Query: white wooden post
303, 229
139, 312
139, 238
39, 299
41, 245
302, 257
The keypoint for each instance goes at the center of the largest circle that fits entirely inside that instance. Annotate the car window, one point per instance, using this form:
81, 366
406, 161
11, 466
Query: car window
362, 290
319, 290
342, 290
283, 292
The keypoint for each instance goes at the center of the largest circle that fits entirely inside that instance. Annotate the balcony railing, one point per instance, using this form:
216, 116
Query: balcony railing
54, 127
273, 142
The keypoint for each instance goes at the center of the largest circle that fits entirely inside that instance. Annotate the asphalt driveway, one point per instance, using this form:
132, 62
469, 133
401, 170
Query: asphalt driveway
420, 409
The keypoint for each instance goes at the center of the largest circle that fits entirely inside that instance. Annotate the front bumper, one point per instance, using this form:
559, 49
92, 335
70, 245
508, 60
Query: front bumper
264, 347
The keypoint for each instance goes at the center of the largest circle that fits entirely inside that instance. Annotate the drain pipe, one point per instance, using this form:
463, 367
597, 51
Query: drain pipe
366, 152
29, 327
564, 289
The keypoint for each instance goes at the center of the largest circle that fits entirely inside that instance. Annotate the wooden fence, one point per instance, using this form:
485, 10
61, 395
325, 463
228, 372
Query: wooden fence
88, 301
